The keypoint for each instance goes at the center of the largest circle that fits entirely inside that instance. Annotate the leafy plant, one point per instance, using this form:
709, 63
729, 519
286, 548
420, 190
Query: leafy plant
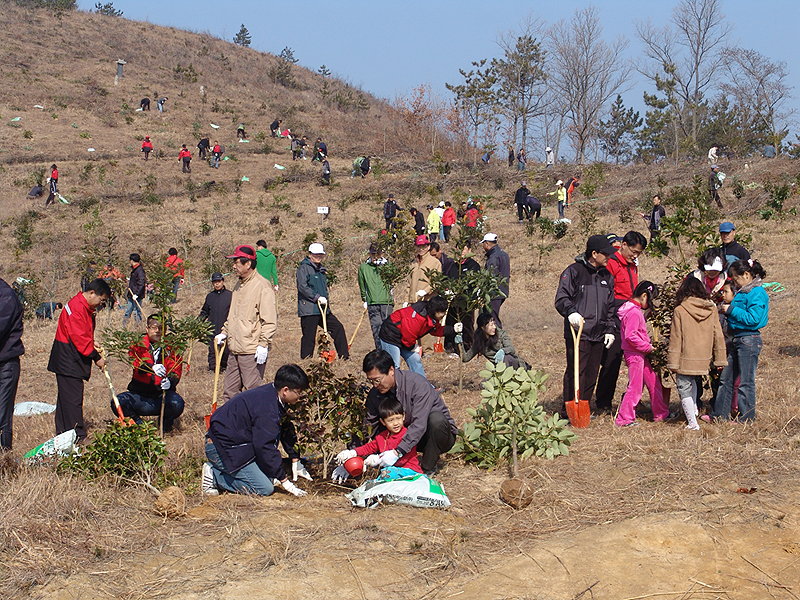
131, 452
510, 421
107, 9
332, 414
778, 194
587, 221
23, 232
547, 232
242, 38
593, 178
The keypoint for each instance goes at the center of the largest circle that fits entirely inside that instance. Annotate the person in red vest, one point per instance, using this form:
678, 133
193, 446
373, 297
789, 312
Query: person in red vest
147, 146
53, 181
185, 156
157, 370
571, 185
216, 152
448, 220
175, 265
73, 353
623, 265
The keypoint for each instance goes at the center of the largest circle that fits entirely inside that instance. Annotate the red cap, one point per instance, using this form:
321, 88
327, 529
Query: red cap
243, 252
422, 240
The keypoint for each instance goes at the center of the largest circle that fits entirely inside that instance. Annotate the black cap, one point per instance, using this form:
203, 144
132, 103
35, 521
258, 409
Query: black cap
613, 237
373, 248
391, 195
217, 277
599, 243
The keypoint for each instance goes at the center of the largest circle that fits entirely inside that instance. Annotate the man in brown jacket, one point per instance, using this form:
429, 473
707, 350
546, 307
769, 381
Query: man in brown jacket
251, 323
419, 288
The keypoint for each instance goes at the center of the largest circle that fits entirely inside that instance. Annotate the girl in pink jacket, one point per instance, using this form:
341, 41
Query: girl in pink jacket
635, 346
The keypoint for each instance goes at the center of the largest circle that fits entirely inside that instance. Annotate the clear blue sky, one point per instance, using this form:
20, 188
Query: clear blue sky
389, 47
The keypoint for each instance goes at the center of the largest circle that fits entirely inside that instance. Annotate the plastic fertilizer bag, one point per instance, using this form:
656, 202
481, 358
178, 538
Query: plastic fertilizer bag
61, 445
393, 487
28, 409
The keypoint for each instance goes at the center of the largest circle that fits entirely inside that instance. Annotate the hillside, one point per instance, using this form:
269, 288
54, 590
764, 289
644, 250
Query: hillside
634, 512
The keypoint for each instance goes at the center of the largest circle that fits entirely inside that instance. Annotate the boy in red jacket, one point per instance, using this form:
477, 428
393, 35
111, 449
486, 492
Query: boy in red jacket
157, 370
185, 156
392, 416
147, 146
72, 355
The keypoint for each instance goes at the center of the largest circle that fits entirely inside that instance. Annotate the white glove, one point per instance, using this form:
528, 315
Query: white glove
340, 475
134, 296
345, 455
373, 460
458, 327
499, 356
322, 300
261, 355
405, 304
388, 458
293, 489
160, 370
365, 306
299, 470
276, 288
608, 340
575, 319
219, 338
421, 293
165, 384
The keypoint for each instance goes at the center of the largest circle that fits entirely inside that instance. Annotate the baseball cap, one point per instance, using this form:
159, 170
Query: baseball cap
613, 237
599, 243
547, 149
489, 237
422, 240
714, 167
391, 195
243, 252
316, 248
726, 227
441, 204
714, 266
217, 277
559, 182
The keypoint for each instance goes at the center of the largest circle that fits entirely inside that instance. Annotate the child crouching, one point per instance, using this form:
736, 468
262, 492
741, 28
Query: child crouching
636, 345
695, 337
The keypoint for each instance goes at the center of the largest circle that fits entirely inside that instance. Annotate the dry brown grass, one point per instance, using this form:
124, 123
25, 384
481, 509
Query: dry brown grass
58, 532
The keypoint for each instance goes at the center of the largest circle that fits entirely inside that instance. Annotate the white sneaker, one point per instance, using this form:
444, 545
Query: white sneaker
207, 482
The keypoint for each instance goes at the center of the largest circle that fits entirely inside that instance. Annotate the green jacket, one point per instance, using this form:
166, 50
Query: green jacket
312, 282
373, 289
266, 265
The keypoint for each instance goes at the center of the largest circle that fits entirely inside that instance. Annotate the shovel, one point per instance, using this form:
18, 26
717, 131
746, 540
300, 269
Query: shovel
120, 416
357, 328
327, 355
578, 410
219, 350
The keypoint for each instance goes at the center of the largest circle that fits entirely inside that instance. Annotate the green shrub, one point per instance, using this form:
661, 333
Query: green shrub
509, 422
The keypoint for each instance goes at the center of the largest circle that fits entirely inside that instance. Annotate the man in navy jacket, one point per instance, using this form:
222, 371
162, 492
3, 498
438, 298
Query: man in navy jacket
242, 439
11, 349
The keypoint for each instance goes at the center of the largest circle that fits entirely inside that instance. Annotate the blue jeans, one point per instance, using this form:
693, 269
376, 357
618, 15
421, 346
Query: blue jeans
129, 309
215, 161
249, 479
176, 283
412, 358
560, 209
137, 406
742, 362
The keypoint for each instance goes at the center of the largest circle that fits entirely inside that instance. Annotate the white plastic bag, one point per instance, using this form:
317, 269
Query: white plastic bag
60, 445
416, 490
28, 409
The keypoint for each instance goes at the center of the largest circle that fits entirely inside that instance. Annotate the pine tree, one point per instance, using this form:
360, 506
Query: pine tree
243, 37
617, 132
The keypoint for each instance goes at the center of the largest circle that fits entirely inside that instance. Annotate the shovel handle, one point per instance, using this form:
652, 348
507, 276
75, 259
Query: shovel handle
322, 310
576, 341
357, 328
219, 351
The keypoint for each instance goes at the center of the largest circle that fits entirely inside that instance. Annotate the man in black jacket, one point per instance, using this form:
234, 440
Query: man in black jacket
136, 287
498, 262
389, 211
242, 439
11, 349
586, 293
520, 201
215, 311
202, 148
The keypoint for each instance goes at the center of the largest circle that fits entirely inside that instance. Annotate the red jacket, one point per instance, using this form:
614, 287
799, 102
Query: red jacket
144, 381
73, 349
216, 149
405, 326
54, 174
386, 441
184, 152
147, 145
626, 276
175, 265
471, 218
449, 217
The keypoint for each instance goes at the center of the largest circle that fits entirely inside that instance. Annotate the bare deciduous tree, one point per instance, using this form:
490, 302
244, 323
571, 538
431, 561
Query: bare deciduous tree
588, 72
758, 86
690, 50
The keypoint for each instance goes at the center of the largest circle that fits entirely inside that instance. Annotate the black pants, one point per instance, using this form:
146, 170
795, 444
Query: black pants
610, 364
495, 306
522, 211
437, 440
535, 210
186, 167
589, 357
309, 325
69, 406
9, 379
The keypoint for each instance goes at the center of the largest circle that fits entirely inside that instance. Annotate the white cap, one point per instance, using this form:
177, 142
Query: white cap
316, 248
548, 149
441, 204
559, 182
714, 266
489, 237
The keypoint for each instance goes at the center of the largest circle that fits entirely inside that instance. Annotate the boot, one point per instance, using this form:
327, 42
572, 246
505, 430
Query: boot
689, 410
